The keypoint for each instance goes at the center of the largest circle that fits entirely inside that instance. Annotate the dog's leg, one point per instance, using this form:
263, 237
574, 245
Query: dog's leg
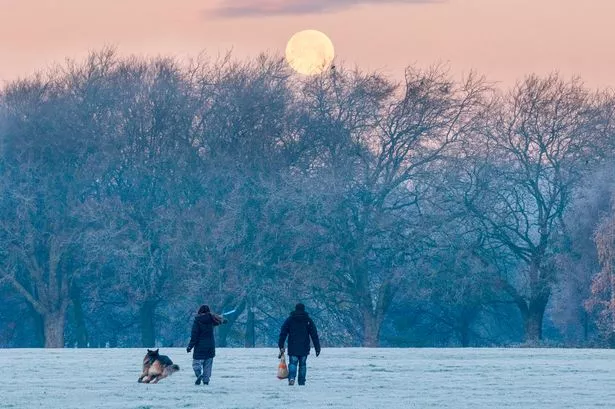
144, 372
147, 379
143, 375
155, 379
158, 378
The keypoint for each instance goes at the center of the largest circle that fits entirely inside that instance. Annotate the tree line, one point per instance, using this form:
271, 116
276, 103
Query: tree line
423, 212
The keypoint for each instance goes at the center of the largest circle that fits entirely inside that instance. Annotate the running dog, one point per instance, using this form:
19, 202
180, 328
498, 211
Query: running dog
156, 367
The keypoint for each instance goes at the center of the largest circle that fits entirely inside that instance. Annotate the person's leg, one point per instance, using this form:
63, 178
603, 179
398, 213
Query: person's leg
197, 366
302, 369
207, 365
292, 369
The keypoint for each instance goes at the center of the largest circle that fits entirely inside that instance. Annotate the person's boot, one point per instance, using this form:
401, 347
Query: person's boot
291, 382
198, 380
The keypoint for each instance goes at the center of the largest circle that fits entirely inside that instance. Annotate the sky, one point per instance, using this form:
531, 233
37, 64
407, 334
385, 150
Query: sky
502, 39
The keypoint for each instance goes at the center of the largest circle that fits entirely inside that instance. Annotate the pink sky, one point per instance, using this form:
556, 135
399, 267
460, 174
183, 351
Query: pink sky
503, 39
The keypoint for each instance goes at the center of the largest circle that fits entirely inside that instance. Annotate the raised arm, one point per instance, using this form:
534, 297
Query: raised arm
217, 319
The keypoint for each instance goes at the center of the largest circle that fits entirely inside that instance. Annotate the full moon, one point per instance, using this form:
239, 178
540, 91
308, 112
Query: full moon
309, 52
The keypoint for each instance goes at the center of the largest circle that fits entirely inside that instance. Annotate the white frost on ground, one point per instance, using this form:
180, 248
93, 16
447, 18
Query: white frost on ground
339, 378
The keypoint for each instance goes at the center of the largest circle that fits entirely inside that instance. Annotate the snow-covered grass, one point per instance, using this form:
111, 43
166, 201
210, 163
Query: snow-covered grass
339, 378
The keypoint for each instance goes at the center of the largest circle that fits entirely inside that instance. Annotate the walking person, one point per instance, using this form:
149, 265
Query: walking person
204, 344
299, 328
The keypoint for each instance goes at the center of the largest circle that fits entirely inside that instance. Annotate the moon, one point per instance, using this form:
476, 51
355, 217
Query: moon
309, 52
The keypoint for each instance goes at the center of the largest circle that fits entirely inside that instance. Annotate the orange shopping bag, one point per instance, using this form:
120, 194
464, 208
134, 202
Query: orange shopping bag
282, 368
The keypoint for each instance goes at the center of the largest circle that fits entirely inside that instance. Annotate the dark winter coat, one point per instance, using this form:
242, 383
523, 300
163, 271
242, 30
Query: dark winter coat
202, 337
299, 328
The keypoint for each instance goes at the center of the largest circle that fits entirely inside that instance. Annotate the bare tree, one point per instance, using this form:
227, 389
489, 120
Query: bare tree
45, 147
539, 142
152, 178
243, 136
381, 142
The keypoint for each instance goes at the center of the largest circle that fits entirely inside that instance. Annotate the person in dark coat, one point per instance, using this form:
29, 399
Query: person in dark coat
299, 328
203, 342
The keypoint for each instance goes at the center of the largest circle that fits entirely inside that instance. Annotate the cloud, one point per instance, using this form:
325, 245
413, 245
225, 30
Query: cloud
243, 8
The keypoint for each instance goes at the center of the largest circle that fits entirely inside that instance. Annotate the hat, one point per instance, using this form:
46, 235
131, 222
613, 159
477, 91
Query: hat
300, 307
203, 309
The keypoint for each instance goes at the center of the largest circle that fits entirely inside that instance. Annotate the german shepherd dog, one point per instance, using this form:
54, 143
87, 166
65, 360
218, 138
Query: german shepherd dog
156, 367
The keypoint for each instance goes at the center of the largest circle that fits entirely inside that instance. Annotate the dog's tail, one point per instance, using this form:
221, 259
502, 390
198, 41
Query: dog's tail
174, 368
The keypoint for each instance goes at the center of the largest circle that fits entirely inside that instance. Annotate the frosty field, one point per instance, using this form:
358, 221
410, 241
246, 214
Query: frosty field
339, 378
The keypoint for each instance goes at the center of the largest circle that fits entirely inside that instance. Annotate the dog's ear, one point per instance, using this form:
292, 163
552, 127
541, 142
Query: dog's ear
148, 351
156, 351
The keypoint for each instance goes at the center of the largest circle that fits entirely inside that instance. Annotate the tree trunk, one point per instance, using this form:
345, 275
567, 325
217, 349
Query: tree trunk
371, 330
250, 327
585, 326
148, 327
464, 334
39, 327
533, 319
468, 315
54, 329
224, 330
79, 316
